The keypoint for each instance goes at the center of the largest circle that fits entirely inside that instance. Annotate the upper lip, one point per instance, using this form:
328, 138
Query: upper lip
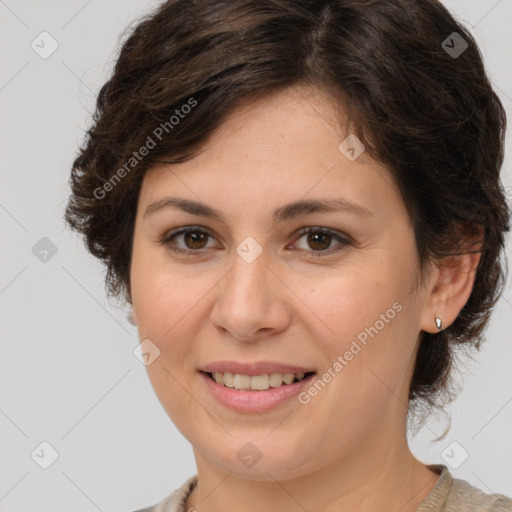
255, 368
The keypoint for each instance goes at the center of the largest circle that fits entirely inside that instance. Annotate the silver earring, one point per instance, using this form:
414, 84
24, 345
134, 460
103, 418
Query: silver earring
439, 322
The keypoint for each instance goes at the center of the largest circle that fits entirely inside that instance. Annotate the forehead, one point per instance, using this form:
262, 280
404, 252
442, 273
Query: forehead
274, 149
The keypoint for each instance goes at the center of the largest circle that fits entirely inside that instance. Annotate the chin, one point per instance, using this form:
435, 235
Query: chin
260, 460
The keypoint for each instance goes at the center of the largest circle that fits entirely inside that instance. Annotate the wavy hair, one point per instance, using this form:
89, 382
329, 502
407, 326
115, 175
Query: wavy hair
429, 114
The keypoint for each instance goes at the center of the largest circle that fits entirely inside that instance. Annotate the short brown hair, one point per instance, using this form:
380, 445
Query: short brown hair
430, 115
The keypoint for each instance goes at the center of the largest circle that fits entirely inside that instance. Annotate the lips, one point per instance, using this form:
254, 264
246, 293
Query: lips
243, 387
248, 401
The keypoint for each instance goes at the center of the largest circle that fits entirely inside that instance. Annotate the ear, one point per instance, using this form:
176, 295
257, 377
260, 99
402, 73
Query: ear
452, 281
131, 317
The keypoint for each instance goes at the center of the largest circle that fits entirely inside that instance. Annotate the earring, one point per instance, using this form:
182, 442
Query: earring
439, 322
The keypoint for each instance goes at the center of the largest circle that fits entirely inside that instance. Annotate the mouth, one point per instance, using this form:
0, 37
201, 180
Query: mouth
258, 393
262, 382
255, 387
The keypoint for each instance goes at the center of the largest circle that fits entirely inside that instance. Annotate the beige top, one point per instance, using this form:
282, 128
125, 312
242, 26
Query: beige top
448, 495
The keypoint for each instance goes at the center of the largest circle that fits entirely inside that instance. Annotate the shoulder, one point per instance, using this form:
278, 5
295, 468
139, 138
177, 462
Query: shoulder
463, 496
455, 495
175, 502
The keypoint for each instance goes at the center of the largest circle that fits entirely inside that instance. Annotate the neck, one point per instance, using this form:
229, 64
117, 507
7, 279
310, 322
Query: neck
372, 479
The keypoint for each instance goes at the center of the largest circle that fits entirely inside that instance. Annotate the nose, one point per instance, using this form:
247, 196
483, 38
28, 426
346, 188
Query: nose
252, 301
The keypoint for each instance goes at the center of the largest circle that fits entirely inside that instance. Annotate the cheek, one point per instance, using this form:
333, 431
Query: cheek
162, 295
352, 302
168, 314
168, 308
369, 323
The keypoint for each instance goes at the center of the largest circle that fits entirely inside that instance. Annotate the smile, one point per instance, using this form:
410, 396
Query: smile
256, 382
270, 390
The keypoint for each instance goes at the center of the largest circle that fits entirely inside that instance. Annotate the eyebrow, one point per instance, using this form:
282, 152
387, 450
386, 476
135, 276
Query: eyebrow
285, 212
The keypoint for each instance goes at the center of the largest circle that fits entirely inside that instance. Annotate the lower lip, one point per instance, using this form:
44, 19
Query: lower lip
254, 401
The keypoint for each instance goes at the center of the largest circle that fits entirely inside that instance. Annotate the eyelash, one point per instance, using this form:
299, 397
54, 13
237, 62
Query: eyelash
304, 231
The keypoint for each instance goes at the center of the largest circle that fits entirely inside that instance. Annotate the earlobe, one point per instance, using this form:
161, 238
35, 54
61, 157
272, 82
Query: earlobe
131, 317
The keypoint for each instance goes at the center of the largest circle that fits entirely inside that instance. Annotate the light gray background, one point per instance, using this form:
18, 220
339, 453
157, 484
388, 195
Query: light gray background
68, 373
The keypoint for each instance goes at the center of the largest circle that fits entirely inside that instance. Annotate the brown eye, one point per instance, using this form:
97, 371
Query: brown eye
192, 240
195, 239
320, 240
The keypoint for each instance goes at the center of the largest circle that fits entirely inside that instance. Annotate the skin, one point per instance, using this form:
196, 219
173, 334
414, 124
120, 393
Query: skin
347, 448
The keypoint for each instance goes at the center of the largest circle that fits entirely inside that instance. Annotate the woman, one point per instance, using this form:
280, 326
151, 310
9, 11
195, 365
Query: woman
301, 201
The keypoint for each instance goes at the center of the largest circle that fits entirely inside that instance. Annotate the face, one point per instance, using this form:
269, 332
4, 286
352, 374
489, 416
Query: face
309, 290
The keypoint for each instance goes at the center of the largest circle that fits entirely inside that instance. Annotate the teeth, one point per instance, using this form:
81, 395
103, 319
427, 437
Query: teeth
228, 379
260, 382
276, 380
255, 382
288, 378
241, 381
